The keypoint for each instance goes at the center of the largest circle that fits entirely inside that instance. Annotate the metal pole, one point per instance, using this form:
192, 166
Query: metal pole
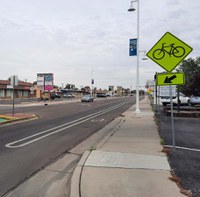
178, 107
172, 119
91, 83
44, 84
156, 92
156, 98
137, 77
13, 110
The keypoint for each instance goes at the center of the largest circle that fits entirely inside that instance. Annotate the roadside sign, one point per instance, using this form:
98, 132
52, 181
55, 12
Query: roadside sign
133, 47
14, 80
169, 51
164, 91
170, 79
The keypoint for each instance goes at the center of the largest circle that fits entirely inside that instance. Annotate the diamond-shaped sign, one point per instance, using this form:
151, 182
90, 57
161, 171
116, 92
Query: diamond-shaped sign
169, 51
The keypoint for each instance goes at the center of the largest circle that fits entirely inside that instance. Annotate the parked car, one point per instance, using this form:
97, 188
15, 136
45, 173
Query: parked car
87, 98
194, 100
101, 95
109, 94
68, 95
183, 100
55, 95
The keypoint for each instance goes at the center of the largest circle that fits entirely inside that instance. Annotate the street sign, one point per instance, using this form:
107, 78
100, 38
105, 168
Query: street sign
14, 80
133, 47
164, 91
169, 51
170, 79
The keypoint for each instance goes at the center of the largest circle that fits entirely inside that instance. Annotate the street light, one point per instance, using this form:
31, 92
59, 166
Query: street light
144, 55
132, 9
92, 82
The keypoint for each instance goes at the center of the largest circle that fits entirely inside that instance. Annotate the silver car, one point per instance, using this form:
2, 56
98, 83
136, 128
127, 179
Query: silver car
87, 98
194, 100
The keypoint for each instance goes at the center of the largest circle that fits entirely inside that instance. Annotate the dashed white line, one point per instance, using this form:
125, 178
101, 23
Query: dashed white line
58, 129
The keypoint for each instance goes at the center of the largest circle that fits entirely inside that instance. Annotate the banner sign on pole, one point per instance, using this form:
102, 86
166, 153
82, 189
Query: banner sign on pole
133, 47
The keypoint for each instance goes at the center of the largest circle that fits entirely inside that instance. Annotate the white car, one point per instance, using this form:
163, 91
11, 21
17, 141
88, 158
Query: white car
183, 100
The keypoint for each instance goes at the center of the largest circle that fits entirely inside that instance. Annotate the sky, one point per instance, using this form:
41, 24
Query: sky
79, 40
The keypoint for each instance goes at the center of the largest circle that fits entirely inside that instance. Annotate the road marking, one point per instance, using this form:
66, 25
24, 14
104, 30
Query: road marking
59, 128
184, 148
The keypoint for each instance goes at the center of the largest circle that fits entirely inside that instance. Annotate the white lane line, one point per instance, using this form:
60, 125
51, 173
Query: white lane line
57, 127
183, 148
70, 124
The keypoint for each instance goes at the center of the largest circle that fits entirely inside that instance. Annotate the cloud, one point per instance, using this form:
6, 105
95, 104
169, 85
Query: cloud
69, 37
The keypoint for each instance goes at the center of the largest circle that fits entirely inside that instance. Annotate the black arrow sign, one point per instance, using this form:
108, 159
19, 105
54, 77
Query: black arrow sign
169, 79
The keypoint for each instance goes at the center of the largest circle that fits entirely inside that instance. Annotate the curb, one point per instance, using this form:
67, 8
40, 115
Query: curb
76, 177
114, 125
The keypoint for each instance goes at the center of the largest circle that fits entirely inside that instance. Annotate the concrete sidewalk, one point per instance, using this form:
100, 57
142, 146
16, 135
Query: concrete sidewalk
129, 164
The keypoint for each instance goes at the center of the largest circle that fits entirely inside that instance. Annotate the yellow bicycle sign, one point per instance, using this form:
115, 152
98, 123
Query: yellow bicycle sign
177, 51
169, 51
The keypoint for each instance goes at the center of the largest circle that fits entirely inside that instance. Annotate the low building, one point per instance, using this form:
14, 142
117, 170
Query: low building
111, 88
120, 90
101, 93
22, 90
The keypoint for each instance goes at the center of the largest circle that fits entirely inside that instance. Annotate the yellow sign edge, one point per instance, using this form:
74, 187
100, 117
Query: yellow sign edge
183, 74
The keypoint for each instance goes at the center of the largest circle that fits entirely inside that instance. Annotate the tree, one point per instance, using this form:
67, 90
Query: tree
34, 83
70, 86
191, 69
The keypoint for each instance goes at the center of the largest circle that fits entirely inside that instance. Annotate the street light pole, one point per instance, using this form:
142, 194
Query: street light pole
92, 82
131, 9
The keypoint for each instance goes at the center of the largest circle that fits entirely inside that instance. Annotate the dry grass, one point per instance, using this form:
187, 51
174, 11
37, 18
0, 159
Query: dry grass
177, 180
167, 151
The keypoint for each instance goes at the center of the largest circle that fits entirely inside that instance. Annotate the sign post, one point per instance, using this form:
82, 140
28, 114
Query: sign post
14, 82
168, 52
172, 119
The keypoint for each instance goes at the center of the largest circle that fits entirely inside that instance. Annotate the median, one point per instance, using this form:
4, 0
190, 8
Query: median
7, 118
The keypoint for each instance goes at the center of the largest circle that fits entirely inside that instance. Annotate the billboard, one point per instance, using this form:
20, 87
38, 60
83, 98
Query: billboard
45, 81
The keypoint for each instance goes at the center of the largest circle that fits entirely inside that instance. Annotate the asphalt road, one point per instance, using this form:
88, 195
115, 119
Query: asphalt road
27, 147
185, 160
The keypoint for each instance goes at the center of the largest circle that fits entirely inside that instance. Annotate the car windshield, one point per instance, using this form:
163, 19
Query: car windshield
86, 96
181, 94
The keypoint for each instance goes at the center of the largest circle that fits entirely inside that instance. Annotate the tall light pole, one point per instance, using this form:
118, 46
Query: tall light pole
132, 9
92, 82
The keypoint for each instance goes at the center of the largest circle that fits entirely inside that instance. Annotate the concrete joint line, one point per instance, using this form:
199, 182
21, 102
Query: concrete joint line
61, 172
127, 160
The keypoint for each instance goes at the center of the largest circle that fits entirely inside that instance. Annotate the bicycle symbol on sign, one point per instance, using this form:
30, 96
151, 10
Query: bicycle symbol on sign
176, 51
